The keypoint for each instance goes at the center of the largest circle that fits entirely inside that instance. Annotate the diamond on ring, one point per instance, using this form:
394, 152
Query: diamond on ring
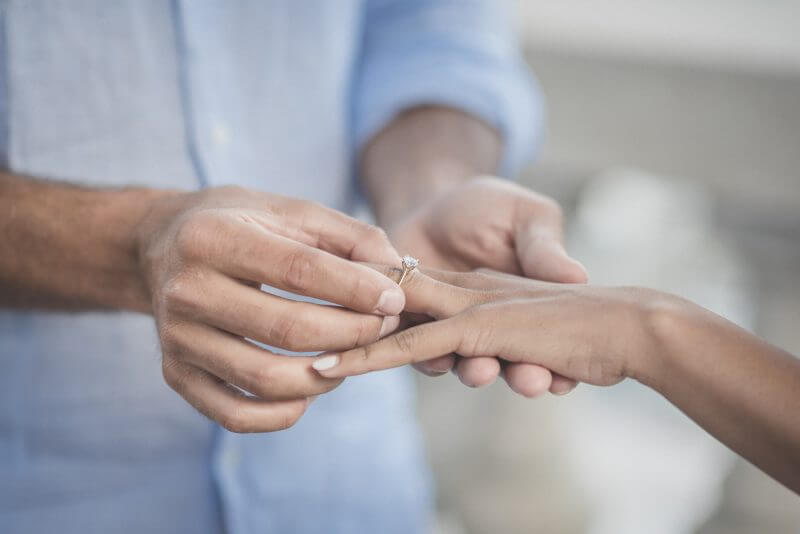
409, 264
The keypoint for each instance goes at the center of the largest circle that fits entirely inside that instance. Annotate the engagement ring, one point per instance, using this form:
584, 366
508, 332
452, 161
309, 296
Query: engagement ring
409, 264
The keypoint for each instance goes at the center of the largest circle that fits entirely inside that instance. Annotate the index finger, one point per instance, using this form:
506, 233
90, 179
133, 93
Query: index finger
417, 344
350, 238
321, 227
246, 250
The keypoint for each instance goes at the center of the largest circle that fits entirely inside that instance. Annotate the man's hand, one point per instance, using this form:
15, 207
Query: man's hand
419, 175
492, 223
204, 257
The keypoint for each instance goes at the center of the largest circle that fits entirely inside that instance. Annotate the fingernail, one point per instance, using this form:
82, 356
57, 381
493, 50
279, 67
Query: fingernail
564, 391
326, 362
391, 302
390, 324
582, 267
311, 399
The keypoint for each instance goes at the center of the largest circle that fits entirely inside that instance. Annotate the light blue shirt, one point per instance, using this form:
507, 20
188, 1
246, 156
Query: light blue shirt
274, 95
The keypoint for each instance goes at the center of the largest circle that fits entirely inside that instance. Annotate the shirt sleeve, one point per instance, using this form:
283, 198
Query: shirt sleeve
457, 53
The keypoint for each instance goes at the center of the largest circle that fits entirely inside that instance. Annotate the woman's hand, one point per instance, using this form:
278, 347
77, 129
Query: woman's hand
204, 256
736, 386
586, 334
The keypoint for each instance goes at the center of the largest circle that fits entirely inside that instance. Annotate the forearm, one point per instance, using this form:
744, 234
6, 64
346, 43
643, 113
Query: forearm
736, 386
423, 152
68, 247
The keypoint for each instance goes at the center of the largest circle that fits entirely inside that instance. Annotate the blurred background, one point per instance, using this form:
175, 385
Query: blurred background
674, 146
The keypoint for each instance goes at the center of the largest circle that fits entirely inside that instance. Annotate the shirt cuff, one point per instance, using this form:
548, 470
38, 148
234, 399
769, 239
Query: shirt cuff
500, 91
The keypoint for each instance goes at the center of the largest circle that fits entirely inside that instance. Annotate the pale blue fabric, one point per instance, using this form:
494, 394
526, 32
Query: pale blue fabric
275, 95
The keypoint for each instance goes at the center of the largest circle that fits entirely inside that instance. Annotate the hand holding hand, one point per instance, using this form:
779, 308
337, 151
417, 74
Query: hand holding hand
586, 334
491, 223
204, 257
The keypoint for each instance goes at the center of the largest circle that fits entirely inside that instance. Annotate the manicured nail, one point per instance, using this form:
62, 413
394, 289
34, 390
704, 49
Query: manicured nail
326, 362
390, 324
391, 302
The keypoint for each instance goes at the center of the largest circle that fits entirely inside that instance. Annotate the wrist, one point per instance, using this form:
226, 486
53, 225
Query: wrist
423, 152
69, 246
423, 184
160, 209
665, 323
119, 223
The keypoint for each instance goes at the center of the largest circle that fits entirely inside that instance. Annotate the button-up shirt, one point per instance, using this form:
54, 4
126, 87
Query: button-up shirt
276, 95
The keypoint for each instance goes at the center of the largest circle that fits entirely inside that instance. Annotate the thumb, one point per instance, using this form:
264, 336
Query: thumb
542, 255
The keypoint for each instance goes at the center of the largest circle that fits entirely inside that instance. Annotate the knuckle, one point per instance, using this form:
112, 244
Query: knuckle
452, 300
239, 418
481, 278
372, 242
172, 341
365, 331
226, 369
476, 341
192, 236
304, 208
406, 340
288, 419
358, 290
283, 331
178, 294
489, 244
389, 271
487, 296
553, 207
375, 234
261, 380
361, 353
300, 271
175, 375
201, 234
235, 420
